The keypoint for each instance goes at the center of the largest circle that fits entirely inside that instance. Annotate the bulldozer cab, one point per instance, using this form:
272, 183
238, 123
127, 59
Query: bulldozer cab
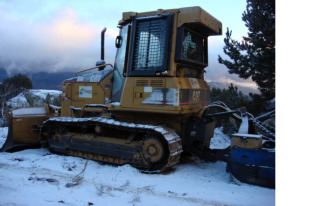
154, 46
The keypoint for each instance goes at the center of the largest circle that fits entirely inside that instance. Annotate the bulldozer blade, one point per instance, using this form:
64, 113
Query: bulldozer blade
253, 166
24, 128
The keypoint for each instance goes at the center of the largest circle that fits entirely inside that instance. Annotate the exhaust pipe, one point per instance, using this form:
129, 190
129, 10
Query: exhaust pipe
101, 61
102, 42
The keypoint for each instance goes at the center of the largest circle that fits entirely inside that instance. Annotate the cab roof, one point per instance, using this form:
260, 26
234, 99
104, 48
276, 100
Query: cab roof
188, 15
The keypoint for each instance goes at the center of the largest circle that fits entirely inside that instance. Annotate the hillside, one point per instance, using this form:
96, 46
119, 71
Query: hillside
34, 98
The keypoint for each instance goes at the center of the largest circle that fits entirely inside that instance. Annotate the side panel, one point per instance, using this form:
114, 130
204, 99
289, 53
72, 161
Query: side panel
164, 95
77, 94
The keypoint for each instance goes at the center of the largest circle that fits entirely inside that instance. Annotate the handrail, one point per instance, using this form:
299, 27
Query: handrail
76, 74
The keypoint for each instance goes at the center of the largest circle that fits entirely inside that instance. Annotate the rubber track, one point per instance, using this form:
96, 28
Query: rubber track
173, 139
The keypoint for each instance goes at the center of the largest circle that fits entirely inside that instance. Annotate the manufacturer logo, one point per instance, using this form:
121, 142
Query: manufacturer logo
85, 91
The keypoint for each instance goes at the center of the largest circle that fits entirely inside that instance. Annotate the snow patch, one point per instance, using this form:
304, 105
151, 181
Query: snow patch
39, 95
220, 140
116, 103
34, 111
37, 171
3, 135
18, 101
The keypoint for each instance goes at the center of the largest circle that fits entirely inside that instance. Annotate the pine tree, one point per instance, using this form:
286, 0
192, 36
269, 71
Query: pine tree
232, 97
19, 81
255, 56
10, 88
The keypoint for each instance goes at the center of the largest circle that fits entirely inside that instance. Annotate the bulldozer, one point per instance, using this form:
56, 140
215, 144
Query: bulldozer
145, 110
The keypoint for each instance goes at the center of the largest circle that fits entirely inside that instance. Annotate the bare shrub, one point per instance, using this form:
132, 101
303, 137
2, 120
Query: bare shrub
78, 179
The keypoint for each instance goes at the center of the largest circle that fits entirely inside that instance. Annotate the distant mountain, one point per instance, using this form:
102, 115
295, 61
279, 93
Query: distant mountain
44, 80
3, 75
243, 89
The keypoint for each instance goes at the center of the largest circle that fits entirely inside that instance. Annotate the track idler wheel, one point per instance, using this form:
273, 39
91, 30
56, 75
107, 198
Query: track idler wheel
154, 151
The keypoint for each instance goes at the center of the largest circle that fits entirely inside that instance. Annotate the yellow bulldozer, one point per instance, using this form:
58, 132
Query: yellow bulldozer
146, 109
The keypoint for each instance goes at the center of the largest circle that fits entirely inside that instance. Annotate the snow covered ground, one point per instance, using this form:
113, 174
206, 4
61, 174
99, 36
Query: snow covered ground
38, 177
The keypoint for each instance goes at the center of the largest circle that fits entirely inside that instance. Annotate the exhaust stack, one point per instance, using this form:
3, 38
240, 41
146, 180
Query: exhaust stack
101, 61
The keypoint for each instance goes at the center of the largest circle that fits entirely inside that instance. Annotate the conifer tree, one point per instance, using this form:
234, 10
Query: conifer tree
255, 56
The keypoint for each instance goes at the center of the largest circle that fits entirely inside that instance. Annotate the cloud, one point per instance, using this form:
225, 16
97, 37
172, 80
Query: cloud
219, 73
238, 82
66, 32
59, 41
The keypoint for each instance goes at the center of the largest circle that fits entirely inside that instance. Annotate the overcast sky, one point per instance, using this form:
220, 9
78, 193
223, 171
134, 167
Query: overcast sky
64, 35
